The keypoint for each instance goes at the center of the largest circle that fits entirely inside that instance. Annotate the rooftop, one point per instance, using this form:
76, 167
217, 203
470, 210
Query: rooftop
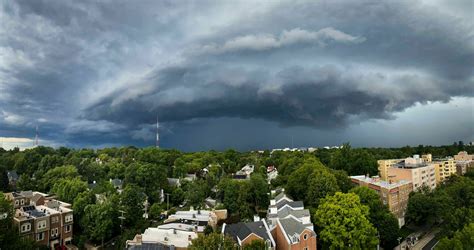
241, 230
169, 237
376, 181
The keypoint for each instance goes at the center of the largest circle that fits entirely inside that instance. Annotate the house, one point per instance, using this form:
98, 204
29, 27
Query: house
245, 233
290, 223
158, 238
43, 219
198, 219
272, 173
244, 173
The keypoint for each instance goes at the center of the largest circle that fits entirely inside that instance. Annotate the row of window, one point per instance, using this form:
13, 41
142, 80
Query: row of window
25, 227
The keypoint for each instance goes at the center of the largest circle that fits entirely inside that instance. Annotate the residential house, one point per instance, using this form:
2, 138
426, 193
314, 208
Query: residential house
290, 223
272, 173
246, 232
393, 194
159, 238
195, 219
244, 173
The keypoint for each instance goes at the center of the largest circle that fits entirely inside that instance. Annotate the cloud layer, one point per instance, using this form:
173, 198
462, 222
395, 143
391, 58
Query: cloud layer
95, 73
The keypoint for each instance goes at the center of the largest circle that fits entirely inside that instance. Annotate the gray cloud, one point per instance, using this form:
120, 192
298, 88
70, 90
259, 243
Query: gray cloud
97, 73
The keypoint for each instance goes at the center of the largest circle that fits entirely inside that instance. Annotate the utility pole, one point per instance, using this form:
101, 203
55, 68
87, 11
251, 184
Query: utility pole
121, 220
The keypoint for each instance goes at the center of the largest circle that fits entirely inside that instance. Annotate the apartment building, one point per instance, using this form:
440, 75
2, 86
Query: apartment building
413, 169
384, 165
393, 194
444, 168
290, 224
463, 156
40, 217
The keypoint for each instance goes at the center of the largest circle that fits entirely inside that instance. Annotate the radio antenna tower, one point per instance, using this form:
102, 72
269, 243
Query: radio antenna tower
157, 133
36, 142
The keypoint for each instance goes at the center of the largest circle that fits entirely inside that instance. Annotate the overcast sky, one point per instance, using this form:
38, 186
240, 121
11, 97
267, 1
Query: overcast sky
236, 74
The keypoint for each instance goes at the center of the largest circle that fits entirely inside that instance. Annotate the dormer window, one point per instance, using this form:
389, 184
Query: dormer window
305, 236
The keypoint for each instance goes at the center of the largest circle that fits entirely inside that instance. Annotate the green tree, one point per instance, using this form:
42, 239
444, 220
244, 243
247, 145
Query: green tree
260, 190
297, 186
463, 239
321, 183
68, 189
343, 222
53, 175
255, 245
213, 241
155, 211
131, 200
98, 221
380, 216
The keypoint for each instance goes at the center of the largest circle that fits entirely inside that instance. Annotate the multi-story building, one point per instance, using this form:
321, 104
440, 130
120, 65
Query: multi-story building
290, 224
40, 217
444, 168
463, 156
427, 158
463, 166
413, 169
384, 165
393, 194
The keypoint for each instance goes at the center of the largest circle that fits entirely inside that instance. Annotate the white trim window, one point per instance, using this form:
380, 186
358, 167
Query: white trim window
25, 227
68, 218
42, 224
305, 236
54, 232
67, 229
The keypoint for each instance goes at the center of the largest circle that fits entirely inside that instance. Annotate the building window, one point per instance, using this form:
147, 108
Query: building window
54, 219
17, 202
67, 229
40, 236
305, 248
22, 202
25, 227
305, 236
54, 232
68, 218
41, 224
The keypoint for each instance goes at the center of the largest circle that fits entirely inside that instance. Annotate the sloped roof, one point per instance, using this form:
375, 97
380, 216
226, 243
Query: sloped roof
293, 204
285, 212
242, 230
281, 196
292, 226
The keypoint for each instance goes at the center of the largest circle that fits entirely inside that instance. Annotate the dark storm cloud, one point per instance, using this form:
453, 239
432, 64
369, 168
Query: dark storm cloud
100, 71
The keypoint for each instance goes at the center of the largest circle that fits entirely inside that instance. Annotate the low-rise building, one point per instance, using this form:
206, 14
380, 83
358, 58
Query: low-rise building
290, 223
195, 219
244, 173
40, 217
158, 238
272, 173
444, 168
393, 194
245, 233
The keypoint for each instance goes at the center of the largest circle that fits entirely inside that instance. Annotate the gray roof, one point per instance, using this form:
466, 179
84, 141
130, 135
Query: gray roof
292, 226
280, 196
293, 204
285, 212
242, 230
12, 175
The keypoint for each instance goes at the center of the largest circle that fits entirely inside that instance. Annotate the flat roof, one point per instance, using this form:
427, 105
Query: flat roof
168, 237
380, 183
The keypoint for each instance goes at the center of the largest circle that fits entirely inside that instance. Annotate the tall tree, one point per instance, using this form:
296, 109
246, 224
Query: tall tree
343, 223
